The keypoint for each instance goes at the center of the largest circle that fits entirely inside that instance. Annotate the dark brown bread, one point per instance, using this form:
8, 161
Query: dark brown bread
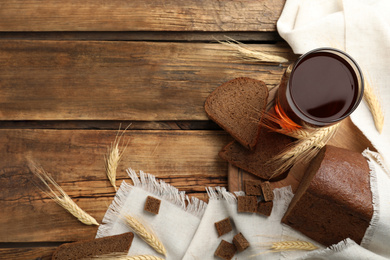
224, 226
268, 194
253, 188
334, 200
225, 250
237, 106
265, 208
269, 145
247, 204
240, 242
94, 247
152, 205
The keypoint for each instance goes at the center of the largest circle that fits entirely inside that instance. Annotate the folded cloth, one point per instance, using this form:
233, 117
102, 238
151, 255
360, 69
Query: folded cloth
362, 29
260, 231
174, 225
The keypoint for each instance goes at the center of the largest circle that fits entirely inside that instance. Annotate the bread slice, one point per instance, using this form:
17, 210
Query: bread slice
237, 106
334, 200
94, 247
256, 162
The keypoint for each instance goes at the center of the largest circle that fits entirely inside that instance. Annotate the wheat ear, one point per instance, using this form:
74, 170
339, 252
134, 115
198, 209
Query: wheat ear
145, 234
304, 149
293, 245
121, 256
374, 105
59, 195
245, 53
113, 158
282, 246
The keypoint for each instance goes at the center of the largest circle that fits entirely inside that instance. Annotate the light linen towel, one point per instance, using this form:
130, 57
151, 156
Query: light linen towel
260, 231
175, 225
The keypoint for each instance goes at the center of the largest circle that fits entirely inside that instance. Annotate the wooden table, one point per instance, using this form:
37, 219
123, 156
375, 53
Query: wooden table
72, 71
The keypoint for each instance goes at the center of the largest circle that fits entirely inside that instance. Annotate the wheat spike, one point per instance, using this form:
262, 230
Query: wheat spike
245, 53
146, 235
374, 105
282, 246
121, 256
299, 133
304, 149
293, 245
59, 195
113, 157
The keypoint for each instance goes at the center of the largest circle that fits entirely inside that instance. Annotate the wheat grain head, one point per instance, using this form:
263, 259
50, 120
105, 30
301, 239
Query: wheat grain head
145, 234
113, 158
304, 149
293, 245
373, 104
121, 256
58, 194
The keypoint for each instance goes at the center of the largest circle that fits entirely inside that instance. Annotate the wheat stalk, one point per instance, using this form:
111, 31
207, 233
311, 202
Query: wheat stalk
374, 105
282, 246
293, 245
245, 53
59, 195
304, 149
145, 234
113, 157
121, 256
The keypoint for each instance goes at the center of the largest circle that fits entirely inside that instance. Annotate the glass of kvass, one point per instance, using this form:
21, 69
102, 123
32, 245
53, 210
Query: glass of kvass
321, 88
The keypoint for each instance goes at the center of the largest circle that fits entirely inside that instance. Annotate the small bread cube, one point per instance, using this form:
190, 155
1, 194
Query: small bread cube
152, 205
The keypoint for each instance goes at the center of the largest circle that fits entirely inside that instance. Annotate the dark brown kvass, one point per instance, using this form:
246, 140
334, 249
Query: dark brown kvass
323, 87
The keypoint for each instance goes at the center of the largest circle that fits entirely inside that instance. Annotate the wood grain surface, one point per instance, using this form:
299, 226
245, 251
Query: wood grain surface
72, 71
139, 15
186, 159
84, 80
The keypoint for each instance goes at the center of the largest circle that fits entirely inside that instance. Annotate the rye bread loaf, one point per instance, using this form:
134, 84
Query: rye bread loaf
237, 106
269, 145
94, 247
334, 200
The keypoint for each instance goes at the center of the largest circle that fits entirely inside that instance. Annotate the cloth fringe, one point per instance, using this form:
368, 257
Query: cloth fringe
167, 192
160, 189
369, 155
327, 252
220, 193
378, 158
113, 211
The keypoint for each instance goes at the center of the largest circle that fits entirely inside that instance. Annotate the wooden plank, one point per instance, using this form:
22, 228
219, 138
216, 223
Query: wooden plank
181, 36
111, 125
348, 137
41, 253
148, 81
186, 159
139, 15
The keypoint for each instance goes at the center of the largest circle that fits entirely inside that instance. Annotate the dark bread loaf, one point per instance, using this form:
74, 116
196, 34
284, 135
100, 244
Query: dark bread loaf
237, 106
256, 162
334, 200
94, 247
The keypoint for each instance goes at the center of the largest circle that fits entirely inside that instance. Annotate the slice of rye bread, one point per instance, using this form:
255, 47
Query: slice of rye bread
237, 106
94, 247
256, 162
334, 200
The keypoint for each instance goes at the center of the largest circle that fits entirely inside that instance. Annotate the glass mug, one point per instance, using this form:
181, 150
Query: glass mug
321, 88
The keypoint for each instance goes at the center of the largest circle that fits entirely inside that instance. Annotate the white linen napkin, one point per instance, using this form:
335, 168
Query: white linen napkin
175, 225
362, 29
260, 231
